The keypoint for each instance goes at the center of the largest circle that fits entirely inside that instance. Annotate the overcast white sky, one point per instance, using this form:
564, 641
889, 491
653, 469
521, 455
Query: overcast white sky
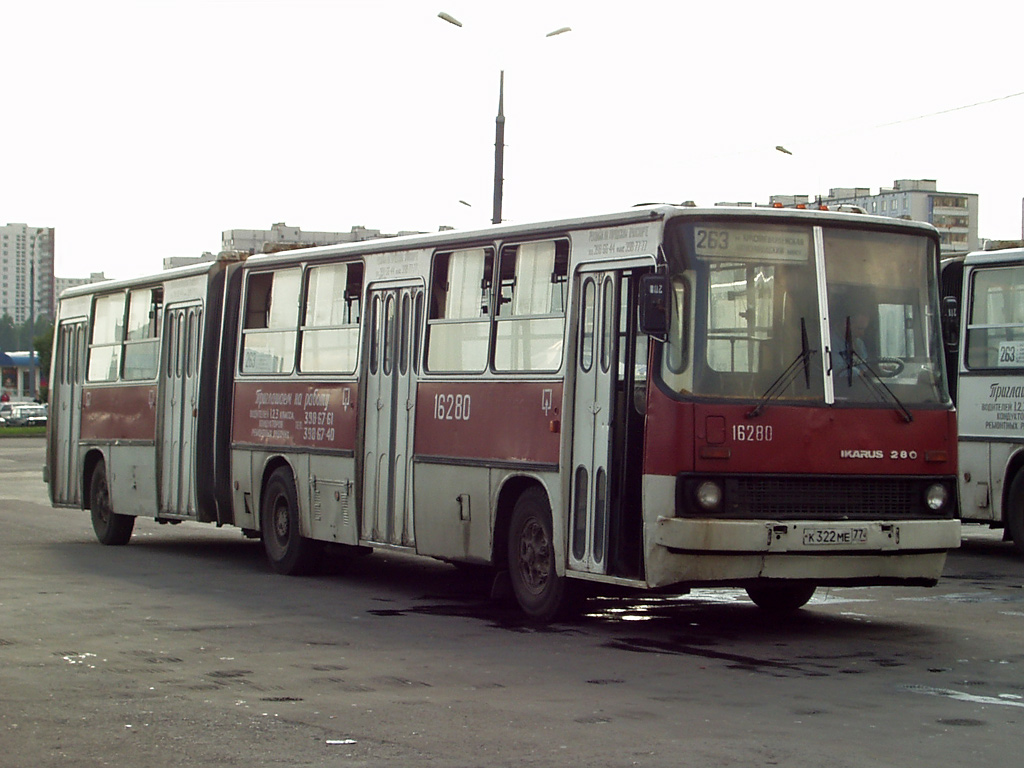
141, 129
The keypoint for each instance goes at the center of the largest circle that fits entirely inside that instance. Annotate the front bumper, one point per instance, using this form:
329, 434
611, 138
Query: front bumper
685, 535
689, 552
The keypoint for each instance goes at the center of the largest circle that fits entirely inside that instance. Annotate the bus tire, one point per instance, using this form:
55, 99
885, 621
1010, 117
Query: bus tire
1015, 512
781, 598
288, 551
111, 528
539, 590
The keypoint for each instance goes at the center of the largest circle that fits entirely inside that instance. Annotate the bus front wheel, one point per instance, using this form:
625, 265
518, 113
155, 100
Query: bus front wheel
1015, 512
111, 528
781, 598
288, 551
539, 590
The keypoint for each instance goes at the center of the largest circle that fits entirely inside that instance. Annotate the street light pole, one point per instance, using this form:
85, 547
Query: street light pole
499, 126
33, 373
499, 151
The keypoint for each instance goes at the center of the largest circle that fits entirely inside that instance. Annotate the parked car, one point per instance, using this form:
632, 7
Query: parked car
5, 413
27, 415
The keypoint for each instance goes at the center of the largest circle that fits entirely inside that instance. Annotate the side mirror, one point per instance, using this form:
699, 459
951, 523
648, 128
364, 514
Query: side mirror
950, 322
654, 293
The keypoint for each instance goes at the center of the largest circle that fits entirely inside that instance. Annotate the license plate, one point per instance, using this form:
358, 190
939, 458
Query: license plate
834, 537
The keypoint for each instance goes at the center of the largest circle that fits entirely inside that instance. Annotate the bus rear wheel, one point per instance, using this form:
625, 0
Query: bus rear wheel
288, 551
542, 594
781, 598
111, 528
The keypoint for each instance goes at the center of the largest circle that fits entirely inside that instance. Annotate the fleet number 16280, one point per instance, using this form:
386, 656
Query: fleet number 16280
752, 433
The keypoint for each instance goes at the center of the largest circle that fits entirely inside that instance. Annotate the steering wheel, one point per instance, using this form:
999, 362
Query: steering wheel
887, 367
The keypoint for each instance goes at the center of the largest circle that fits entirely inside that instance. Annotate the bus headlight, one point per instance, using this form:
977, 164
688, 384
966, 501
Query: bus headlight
709, 495
936, 496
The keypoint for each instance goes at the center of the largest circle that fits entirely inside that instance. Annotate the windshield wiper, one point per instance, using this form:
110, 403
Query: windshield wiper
850, 352
874, 381
803, 359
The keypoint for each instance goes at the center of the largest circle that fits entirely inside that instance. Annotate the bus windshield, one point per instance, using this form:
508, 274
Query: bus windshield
749, 318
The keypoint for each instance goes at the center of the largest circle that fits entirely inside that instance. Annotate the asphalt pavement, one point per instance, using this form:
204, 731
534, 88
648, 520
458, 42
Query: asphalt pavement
183, 648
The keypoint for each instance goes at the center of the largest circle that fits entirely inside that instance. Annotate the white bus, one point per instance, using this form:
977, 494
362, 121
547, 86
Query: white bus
989, 349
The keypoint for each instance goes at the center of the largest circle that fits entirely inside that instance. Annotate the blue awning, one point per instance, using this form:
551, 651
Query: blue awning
20, 359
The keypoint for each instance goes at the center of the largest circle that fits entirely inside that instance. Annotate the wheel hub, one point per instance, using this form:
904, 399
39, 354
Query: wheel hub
281, 521
534, 556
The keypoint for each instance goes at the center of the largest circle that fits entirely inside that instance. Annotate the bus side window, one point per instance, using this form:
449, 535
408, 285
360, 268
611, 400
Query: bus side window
257, 301
271, 321
330, 327
107, 335
458, 329
531, 306
995, 328
142, 343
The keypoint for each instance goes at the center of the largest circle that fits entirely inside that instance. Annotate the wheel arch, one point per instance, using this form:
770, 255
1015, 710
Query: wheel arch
290, 550
271, 466
1014, 467
511, 489
93, 457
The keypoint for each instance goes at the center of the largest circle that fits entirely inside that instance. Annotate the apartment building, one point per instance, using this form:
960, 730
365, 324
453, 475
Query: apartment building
954, 214
26, 271
281, 236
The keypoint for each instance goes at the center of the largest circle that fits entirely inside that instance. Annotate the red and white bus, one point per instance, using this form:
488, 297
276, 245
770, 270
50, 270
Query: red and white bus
662, 398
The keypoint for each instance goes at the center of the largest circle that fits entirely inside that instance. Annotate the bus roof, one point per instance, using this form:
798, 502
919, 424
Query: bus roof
638, 214
998, 256
457, 238
191, 270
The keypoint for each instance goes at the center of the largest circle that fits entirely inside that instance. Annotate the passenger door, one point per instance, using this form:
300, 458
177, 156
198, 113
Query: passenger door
66, 411
593, 419
395, 321
179, 386
605, 531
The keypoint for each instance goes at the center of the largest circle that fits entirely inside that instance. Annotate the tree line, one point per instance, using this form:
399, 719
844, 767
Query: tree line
20, 337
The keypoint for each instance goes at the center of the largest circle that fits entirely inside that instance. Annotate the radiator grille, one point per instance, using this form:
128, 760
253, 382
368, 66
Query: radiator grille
833, 497
828, 498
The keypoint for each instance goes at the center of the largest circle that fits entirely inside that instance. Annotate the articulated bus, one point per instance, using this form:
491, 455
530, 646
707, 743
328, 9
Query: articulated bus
664, 398
984, 296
